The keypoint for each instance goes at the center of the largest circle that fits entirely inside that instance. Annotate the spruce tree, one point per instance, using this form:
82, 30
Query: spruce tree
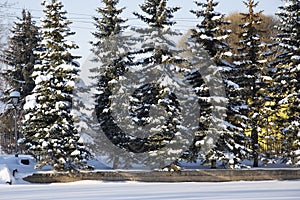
253, 76
115, 67
156, 13
287, 76
109, 25
110, 48
211, 34
159, 54
48, 124
20, 56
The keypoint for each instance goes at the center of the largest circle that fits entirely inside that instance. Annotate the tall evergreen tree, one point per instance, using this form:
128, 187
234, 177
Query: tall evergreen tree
120, 60
20, 56
159, 54
110, 47
288, 38
48, 124
253, 75
109, 25
156, 13
287, 76
211, 34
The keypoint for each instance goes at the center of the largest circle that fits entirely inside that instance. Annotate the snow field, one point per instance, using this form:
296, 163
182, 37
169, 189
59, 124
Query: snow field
95, 190
103, 190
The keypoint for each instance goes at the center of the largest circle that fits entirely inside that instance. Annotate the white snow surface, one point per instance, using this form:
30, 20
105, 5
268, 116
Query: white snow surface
8, 163
5, 175
95, 190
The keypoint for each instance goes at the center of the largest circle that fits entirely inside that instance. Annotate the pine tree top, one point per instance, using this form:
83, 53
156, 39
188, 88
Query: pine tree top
211, 32
156, 13
20, 55
108, 23
55, 29
252, 49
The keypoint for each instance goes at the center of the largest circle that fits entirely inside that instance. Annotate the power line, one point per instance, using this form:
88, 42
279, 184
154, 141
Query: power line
36, 10
189, 19
89, 19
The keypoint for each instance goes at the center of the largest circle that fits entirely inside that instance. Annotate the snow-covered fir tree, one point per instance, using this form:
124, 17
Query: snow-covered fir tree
109, 25
110, 49
253, 76
210, 35
156, 13
20, 55
117, 117
159, 54
19, 58
48, 124
287, 78
288, 38
211, 32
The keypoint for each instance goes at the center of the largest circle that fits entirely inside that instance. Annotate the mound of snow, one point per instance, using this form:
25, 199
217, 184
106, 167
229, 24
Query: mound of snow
5, 175
13, 169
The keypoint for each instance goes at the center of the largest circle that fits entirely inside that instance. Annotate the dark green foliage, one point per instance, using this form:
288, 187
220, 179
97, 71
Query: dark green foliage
156, 13
253, 76
211, 32
19, 58
287, 77
210, 35
158, 53
110, 48
21, 55
48, 124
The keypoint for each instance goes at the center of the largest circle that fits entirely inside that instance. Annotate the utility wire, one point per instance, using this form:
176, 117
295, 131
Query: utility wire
89, 19
91, 16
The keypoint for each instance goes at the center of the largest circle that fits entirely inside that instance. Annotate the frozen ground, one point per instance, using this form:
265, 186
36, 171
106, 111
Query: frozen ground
96, 190
99, 190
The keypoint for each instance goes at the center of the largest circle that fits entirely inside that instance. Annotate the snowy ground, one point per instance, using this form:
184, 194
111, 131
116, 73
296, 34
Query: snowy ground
95, 190
9, 163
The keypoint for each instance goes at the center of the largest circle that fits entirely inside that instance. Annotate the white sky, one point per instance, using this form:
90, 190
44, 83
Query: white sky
81, 11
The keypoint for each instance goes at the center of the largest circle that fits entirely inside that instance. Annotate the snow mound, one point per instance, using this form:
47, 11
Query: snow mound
5, 175
13, 169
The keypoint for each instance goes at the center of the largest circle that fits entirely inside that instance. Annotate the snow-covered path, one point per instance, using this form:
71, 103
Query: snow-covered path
96, 190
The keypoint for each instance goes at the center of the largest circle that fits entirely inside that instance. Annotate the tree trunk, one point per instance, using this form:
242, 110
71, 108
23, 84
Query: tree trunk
254, 137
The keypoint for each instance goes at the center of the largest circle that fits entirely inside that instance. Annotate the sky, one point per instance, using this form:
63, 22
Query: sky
80, 12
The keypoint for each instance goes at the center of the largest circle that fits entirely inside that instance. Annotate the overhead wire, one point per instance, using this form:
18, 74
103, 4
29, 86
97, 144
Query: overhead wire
89, 16
77, 18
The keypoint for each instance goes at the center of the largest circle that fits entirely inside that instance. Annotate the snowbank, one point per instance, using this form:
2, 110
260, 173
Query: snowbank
5, 175
13, 169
